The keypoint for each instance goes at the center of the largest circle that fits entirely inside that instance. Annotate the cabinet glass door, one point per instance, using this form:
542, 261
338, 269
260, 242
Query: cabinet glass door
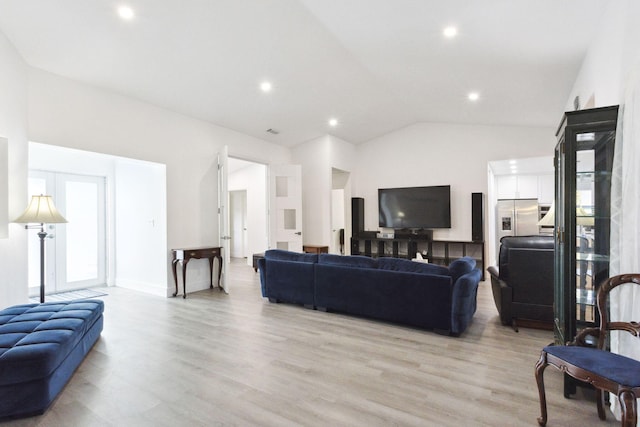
584, 159
594, 160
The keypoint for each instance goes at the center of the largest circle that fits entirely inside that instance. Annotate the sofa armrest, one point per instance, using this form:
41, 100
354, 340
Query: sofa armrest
262, 265
502, 296
289, 281
463, 301
494, 272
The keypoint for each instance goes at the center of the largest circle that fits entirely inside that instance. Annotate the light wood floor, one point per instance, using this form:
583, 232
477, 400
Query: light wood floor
216, 359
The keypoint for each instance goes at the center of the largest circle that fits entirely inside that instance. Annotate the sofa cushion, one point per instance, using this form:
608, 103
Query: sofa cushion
399, 264
359, 261
461, 266
282, 255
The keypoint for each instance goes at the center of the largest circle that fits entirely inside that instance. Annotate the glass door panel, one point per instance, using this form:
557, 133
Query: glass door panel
75, 252
83, 240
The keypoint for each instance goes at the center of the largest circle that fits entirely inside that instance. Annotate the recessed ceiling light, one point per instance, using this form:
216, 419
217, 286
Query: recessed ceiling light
333, 122
265, 86
450, 32
473, 96
126, 13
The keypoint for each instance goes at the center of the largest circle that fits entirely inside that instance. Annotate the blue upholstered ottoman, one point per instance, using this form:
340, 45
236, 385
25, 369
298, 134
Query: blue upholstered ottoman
41, 345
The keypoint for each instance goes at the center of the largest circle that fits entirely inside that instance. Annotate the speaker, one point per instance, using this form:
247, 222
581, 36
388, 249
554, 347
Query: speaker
477, 217
357, 216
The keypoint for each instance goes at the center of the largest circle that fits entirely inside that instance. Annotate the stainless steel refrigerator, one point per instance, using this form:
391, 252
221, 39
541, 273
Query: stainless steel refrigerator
517, 217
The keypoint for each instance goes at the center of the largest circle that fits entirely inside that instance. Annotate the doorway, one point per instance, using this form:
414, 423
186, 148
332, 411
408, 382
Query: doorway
248, 221
522, 178
133, 213
75, 255
238, 223
339, 214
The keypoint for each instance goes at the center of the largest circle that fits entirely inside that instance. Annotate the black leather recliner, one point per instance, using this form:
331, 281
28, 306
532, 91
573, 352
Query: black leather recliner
523, 282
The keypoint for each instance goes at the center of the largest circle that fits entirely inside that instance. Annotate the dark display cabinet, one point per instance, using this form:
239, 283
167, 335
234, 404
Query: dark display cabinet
583, 164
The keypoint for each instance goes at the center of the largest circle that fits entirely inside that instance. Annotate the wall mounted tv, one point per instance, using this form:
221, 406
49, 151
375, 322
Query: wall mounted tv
415, 207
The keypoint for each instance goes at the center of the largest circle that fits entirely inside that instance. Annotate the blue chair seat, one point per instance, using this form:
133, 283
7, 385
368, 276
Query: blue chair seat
617, 368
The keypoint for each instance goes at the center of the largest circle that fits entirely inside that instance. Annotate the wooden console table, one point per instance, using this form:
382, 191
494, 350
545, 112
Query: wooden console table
315, 249
184, 255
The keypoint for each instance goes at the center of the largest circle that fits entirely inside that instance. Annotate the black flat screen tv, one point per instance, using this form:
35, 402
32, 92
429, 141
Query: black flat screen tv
415, 207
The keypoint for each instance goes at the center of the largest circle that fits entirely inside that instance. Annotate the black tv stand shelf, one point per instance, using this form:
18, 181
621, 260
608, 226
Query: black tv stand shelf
441, 252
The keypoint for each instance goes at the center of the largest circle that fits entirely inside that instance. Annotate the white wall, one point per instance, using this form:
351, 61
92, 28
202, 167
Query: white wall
4, 188
71, 114
611, 58
13, 126
318, 159
141, 227
253, 179
442, 154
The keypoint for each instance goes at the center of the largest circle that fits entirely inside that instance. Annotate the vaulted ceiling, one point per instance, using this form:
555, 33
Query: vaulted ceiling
374, 65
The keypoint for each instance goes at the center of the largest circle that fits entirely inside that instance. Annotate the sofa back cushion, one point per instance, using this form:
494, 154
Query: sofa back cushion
531, 276
358, 261
461, 266
282, 255
399, 264
520, 242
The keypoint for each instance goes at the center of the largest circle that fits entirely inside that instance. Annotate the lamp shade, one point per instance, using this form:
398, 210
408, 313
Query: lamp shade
41, 210
550, 217
584, 217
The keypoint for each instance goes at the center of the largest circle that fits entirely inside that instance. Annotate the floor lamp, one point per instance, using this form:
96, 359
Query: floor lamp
41, 210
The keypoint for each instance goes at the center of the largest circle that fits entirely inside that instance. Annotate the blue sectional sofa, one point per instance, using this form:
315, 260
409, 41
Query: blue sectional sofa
391, 289
41, 345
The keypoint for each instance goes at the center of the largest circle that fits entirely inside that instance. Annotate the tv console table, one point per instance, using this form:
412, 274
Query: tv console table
441, 252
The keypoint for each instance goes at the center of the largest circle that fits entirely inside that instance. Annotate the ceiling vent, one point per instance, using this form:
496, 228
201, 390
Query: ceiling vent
272, 131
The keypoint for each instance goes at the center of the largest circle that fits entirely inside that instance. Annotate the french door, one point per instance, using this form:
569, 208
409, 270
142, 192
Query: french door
75, 252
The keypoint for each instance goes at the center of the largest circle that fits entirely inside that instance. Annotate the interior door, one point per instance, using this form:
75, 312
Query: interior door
285, 201
223, 215
238, 223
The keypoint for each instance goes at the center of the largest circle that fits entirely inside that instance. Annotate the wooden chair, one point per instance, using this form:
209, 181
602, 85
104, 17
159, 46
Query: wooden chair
604, 370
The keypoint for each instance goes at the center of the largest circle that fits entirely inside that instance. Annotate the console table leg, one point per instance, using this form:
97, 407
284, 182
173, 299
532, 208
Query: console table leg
175, 275
219, 270
211, 270
184, 278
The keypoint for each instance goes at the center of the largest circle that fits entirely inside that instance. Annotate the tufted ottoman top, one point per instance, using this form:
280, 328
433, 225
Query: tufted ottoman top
36, 338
